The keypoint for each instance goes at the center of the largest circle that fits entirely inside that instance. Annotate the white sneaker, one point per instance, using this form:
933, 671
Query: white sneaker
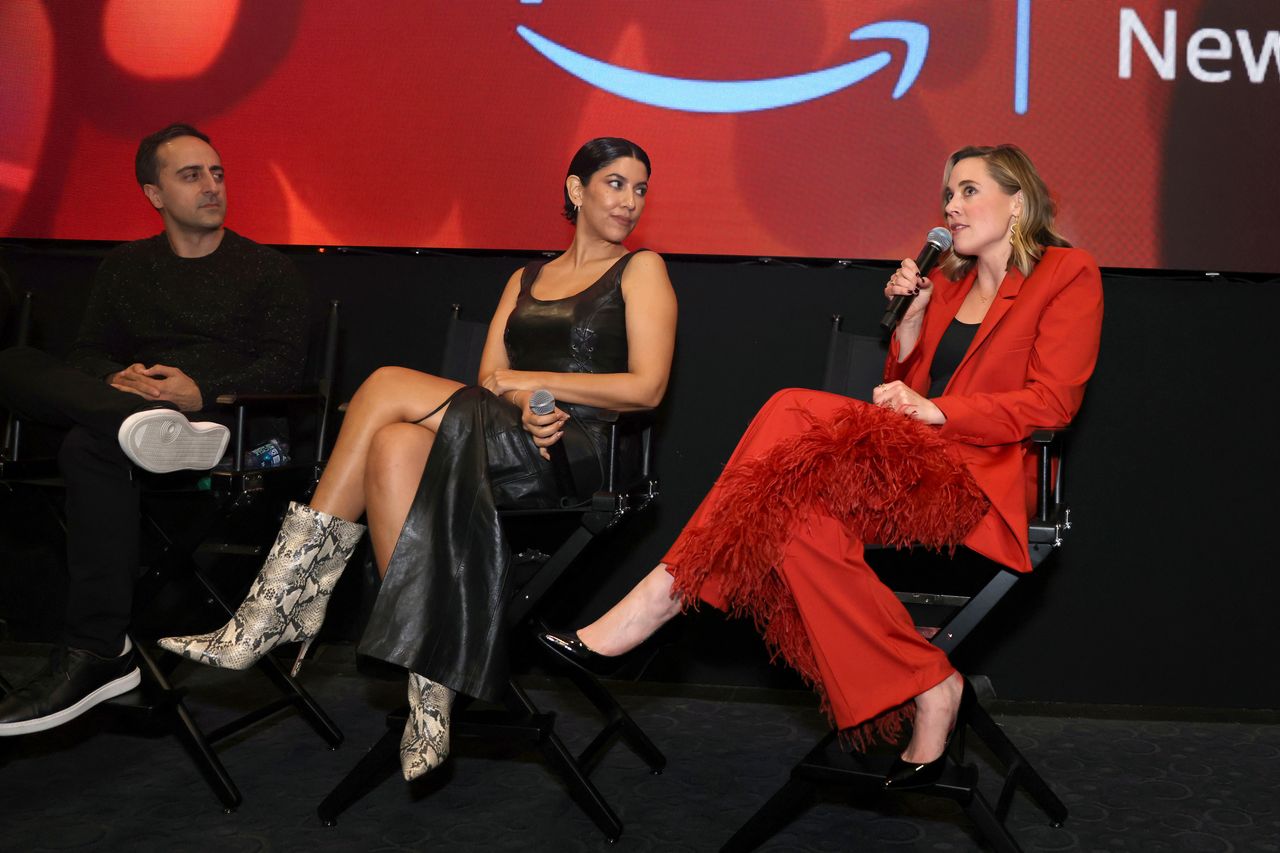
162, 440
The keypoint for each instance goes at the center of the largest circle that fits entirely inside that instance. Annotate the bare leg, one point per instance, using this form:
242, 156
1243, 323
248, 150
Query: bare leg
649, 605
393, 469
936, 710
633, 619
408, 406
390, 395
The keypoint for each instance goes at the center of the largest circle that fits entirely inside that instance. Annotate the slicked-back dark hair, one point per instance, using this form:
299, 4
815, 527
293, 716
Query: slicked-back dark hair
146, 166
594, 156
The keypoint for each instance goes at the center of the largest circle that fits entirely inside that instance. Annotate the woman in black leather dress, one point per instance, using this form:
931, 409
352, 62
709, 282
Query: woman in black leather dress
429, 461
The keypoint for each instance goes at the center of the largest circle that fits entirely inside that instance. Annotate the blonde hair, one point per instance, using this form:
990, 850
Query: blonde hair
1014, 172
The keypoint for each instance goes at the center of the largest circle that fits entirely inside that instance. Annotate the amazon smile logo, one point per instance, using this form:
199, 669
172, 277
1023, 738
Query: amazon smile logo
741, 96
744, 96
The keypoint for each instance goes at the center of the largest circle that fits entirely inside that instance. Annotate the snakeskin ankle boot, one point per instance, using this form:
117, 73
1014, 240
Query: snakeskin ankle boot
288, 599
425, 743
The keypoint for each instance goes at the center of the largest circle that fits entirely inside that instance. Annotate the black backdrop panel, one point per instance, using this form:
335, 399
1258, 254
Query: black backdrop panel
1165, 592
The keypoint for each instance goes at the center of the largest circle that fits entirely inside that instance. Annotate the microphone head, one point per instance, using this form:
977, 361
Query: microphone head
940, 237
542, 402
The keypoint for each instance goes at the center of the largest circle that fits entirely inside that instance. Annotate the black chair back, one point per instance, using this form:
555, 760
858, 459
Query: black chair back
463, 347
855, 363
310, 408
21, 337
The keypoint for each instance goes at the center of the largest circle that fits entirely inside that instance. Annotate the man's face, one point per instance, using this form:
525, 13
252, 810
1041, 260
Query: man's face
189, 192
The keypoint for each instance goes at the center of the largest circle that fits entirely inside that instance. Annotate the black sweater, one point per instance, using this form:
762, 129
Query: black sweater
233, 320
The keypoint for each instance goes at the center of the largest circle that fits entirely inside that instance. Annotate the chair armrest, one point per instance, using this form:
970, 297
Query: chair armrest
1052, 452
244, 403
260, 399
1047, 436
640, 422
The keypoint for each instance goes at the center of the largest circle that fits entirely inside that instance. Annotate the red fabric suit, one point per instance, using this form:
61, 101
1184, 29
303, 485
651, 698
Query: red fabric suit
780, 535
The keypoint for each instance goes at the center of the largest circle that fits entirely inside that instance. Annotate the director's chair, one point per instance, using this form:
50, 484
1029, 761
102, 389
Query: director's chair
192, 519
536, 573
854, 365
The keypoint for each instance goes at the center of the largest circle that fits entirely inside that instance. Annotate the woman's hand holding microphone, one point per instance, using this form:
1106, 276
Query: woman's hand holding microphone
545, 429
897, 396
907, 281
543, 420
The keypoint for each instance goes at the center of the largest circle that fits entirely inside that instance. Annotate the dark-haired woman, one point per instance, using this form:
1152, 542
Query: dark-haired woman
998, 342
428, 461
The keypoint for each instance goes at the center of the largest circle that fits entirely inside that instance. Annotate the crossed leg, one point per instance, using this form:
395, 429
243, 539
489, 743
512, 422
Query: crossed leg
393, 468
391, 396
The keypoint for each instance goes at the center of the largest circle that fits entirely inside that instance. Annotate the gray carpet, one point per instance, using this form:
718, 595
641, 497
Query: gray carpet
1130, 785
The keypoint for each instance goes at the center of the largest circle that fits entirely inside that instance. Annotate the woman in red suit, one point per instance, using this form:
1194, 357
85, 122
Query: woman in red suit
999, 341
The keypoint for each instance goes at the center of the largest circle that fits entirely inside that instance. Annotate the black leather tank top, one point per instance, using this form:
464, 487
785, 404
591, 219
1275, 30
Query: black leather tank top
583, 333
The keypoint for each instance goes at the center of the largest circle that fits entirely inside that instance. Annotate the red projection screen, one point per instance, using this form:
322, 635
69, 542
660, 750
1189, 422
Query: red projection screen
812, 129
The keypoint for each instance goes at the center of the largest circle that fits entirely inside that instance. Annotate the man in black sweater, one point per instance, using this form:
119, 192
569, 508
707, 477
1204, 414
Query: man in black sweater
172, 322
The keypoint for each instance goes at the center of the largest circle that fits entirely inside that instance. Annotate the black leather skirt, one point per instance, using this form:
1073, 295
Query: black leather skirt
440, 607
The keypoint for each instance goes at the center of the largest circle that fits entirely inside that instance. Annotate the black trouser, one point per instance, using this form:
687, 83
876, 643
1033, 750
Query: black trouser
102, 499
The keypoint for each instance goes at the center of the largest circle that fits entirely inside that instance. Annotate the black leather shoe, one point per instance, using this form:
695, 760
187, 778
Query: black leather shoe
71, 683
628, 665
567, 645
906, 776
903, 776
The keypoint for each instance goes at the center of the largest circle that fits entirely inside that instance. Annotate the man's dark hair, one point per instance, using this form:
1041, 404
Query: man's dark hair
146, 165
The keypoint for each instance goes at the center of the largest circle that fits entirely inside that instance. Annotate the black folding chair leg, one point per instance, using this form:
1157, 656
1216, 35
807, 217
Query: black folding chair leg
189, 733
301, 699
298, 697
581, 788
990, 827
620, 725
790, 800
377, 765
1018, 770
587, 795
547, 575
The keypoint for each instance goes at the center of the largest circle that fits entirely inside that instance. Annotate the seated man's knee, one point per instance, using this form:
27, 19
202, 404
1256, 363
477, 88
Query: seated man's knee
22, 359
83, 448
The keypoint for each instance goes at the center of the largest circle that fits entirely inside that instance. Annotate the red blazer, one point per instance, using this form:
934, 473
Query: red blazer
1026, 369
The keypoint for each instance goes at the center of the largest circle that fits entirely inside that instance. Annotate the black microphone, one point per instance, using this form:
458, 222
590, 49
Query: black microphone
543, 402
936, 242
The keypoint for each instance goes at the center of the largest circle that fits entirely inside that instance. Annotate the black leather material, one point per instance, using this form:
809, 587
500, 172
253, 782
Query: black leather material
583, 333
71, 677
440, 610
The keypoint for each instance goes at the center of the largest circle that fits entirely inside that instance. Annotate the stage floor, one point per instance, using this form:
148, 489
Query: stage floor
1131, 785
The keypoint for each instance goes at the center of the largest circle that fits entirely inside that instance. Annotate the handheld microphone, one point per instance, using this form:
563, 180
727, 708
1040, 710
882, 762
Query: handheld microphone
543, 402
936, 242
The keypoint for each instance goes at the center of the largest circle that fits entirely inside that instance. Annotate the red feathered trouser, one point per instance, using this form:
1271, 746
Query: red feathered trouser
780, 538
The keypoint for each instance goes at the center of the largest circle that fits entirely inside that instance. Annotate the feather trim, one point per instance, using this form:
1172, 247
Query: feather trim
859, 464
